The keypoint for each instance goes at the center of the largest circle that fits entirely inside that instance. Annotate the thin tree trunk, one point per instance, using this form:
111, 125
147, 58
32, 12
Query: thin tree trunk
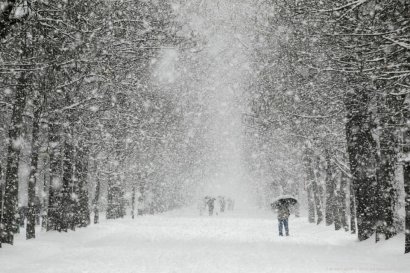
96, 201
133, 202
311, 204
35, 146
55, 174
1, 203
406, 176
44, 201
330, 188
318, 200
342, 201
110, 214
406, 170
352, 208
311, 177
83, 212
66, 206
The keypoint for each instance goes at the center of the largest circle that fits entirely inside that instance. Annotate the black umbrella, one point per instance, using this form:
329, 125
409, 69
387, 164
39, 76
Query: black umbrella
284, 200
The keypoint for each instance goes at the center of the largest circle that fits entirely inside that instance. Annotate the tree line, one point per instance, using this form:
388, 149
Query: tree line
80, 117
331, 95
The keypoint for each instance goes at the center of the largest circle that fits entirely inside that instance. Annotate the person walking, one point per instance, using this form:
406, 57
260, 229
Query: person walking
211, 205
283, 218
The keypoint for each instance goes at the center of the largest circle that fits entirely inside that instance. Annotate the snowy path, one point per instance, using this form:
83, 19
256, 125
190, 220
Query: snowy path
183, 242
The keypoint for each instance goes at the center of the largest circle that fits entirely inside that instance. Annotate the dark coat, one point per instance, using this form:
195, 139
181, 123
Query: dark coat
283, 212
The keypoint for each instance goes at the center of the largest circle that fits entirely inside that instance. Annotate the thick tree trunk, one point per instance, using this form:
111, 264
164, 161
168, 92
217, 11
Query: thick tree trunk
10, 206
35, 146
386, 171
362, 153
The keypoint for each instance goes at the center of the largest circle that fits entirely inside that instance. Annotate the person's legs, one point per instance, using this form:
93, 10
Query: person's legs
286, 224
280, 225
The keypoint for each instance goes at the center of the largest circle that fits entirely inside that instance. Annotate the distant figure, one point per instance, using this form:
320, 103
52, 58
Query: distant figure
283, 218
211, 205
140, 206
222, 203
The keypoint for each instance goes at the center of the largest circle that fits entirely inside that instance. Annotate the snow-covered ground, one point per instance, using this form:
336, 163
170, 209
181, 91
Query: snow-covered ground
181, 241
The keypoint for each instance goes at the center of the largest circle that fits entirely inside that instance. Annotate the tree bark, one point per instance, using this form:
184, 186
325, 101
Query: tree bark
386, 171
10, 206
66, 215
55, 174
83, 211
35, 146
96, 201
362, 153
311, 204
330, 188
352, 208
1, 204
309, 163
406, 176
133, 202
406, 170
342, 201
6, 20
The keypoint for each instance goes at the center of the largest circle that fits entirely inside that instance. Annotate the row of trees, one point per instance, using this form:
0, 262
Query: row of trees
332, 87
79, 108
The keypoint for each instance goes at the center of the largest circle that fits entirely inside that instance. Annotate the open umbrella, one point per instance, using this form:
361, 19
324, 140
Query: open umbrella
286, 200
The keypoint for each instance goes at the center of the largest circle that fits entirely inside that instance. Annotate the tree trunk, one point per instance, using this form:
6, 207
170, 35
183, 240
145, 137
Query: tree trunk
66, 217
6, 20
362, 153
96, 201
55, 174
330, 189
311, 177
386, 171
35, 146
311, 204
352, 208
133, 201
406, 169
110, 212
406, 176
342, 201
83, 212
44, 201
1, 203
10, 206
